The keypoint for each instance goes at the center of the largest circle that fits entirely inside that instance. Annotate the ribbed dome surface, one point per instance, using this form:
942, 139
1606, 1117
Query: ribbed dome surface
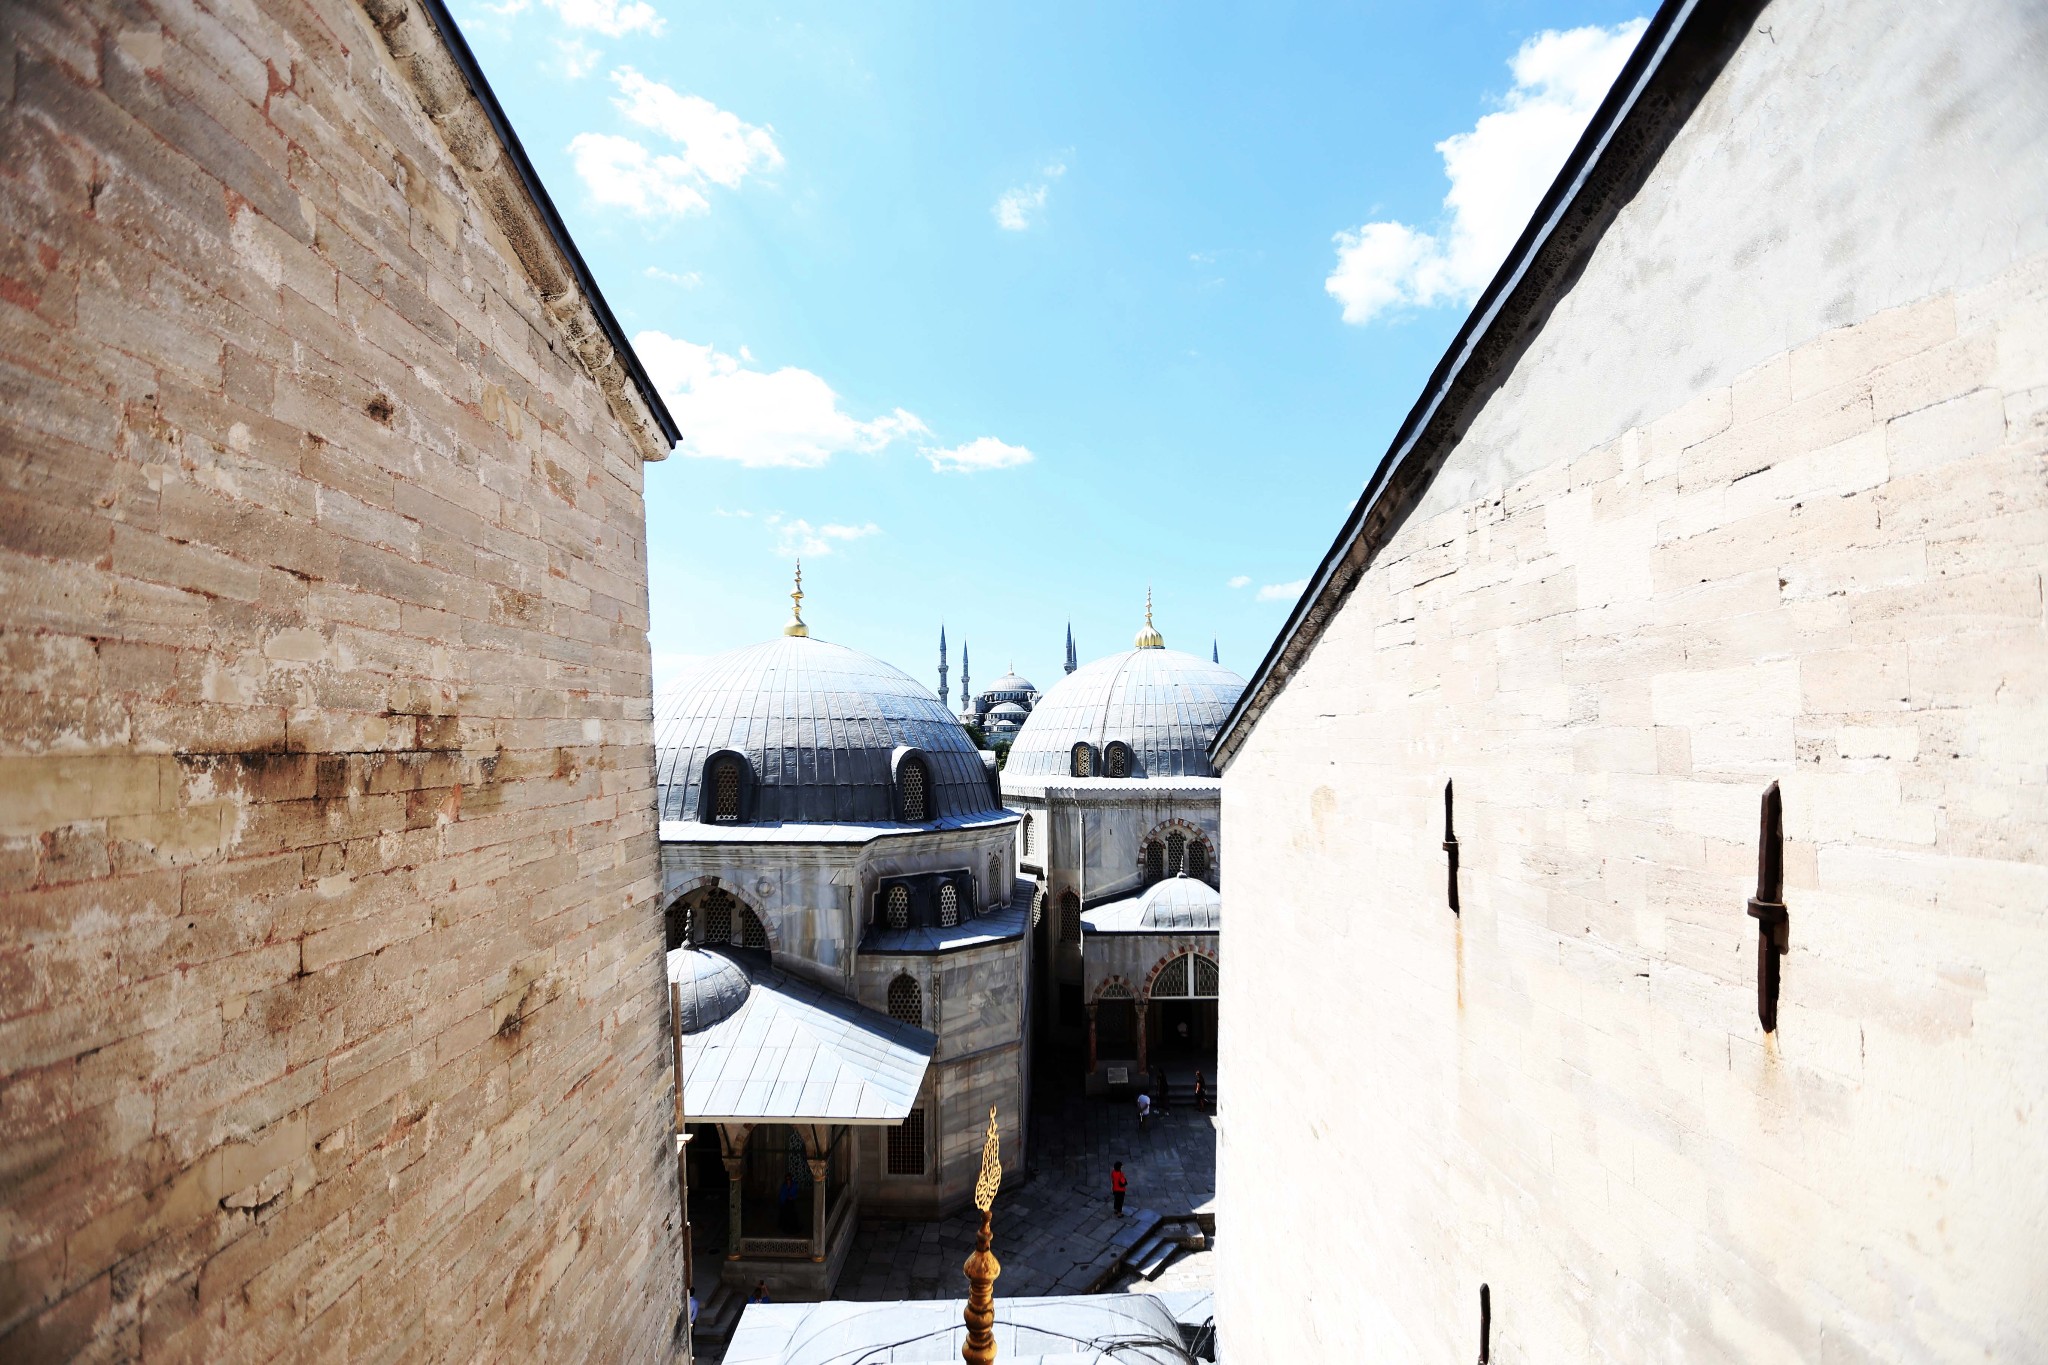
711, 986
1181, 902
820, 724
1165, 704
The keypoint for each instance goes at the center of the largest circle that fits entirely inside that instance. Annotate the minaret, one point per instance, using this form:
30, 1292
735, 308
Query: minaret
966, 687
1215, 656
942, 664
1071, 663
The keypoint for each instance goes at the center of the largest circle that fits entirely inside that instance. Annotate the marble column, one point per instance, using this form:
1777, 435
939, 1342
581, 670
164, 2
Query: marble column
733, 1165
818, 1169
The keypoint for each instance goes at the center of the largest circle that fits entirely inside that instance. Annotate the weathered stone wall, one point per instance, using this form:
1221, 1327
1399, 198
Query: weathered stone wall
1822, 567
333, 1020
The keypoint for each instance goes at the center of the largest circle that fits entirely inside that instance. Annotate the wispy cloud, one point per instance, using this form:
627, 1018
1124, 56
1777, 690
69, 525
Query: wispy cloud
1498, 172
984, 452
1017, 209
1282, 592
795, 536
788, 418
612, 18
579, 58
717, 148
1240, 580
689, 279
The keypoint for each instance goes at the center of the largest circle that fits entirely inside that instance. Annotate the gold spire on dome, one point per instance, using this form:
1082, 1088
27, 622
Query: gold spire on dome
982, 1266
796, 624
1149, 637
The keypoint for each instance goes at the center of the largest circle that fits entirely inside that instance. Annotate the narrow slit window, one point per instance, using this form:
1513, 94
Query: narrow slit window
1176, 853
949, 906
1198, 860
1070, 918
717, 925
725, 792
913, 792
1155, 862
897, 906
1118, 761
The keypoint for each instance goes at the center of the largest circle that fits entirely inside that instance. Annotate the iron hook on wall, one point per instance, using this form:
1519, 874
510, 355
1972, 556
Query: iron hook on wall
1767, 907
1451, 847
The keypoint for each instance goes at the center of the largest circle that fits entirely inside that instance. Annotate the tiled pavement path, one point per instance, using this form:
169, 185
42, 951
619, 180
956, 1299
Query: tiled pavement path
1051, 1229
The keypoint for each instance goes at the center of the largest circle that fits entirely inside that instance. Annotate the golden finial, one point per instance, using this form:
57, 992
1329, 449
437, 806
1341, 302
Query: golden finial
1149, 637
982, 1266
796, 624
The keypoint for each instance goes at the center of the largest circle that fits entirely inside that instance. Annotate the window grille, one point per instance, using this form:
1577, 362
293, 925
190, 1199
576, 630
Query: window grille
1198, 860
1037, 907
1176, 853
752, 934
1155, 862
1172, 981
717, 917
1119, 761
798, 1164
998, 891
1188, 977
906, 1145
1115, 990
898, 903
906, 1001
1207, 978
913, 792
949, 906
1084, 761
725, 792
678, 926
1027, 836
1070, 918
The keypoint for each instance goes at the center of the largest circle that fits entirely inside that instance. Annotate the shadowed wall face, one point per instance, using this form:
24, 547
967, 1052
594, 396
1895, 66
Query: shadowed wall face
333, 1016
1762, 501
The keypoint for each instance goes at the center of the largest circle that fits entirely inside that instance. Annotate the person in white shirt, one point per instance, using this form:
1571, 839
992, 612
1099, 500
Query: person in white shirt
1144, 1108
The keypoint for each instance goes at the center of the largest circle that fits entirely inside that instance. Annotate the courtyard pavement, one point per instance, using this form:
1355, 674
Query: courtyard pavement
1054, 1226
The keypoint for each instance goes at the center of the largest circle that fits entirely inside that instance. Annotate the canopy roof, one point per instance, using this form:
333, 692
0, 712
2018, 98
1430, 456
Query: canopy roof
792, 1052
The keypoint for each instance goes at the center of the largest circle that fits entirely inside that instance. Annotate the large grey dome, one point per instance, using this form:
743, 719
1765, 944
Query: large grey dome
1165, 704
820, 726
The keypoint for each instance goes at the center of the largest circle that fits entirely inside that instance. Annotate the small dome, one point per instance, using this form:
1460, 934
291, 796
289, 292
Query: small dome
1008, 710
1165, 704
1181, 902
820, 726
713, 986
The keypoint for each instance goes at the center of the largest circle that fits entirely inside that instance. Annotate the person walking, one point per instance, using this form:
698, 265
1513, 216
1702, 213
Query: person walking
1144, 1109
1118, 1186
1201, 1094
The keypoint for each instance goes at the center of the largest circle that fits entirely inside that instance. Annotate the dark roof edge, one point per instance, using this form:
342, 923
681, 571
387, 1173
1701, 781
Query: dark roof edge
465, 61
1684, 47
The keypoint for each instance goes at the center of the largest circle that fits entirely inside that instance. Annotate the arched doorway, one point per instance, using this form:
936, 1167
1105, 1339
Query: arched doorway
1181, 1011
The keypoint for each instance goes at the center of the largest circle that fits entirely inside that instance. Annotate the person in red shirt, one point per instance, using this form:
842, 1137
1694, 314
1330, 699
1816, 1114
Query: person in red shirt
1117, 1186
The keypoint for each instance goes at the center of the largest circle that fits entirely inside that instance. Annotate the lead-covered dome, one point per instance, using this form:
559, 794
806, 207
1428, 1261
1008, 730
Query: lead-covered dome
823, 731
1165, 705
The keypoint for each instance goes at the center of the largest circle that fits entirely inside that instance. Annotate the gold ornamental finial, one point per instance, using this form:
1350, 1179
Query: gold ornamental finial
982, 1266
796, 624
1149, 637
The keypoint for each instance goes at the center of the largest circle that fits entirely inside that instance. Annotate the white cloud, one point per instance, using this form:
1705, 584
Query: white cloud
623, 174
1240, 581
717, 145
797, 537
1498, 173
579, 58
1282, 592
1015, 209
609, 17
689, 279
787, 418
984, 452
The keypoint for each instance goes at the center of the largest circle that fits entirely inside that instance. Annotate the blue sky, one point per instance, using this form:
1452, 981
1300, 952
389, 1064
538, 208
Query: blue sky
998, 314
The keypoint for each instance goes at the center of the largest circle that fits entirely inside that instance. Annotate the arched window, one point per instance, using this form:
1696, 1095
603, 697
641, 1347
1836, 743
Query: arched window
1027, 836
1117, 760
998, 890
1188, 977
1198, 860
725, 790
1155, 861
1176, 853
949, 906
897, 907
906, 1001
913, 781
1084, 760
1070, 918
1037, 907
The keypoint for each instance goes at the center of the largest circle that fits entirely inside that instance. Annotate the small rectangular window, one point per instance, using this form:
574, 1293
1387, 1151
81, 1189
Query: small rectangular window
906, 1145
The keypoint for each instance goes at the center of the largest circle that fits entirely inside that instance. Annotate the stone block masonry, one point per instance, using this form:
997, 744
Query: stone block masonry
331, 1006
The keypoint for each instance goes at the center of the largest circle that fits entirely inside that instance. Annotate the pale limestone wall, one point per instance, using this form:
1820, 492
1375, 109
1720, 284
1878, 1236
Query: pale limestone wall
1821, 567
333, 1021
